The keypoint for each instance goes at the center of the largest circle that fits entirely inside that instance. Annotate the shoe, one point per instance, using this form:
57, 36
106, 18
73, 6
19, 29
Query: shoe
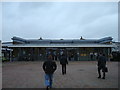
103, 77
99, 77
50, 86
47, 88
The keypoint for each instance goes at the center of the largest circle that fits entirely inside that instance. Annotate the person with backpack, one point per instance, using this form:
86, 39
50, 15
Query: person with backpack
49, 68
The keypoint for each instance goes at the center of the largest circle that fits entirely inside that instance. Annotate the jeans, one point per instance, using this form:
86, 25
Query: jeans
48, 80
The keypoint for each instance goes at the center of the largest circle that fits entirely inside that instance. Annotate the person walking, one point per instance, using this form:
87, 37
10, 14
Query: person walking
91, 56
63, 62
101, 65
49, 68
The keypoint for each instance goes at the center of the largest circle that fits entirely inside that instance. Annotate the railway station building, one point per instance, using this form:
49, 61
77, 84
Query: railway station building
21, 49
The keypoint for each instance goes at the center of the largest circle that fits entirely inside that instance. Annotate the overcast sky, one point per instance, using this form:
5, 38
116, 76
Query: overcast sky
56, 20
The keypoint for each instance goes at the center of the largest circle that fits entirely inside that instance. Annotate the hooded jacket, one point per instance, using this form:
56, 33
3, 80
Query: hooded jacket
49, 67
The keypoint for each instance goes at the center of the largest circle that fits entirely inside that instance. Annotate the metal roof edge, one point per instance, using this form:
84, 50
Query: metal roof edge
61, 45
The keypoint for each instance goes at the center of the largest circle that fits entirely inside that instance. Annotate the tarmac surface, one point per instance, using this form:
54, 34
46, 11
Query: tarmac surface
80, 74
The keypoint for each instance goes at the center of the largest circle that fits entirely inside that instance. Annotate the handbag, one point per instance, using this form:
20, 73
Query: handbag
106, 69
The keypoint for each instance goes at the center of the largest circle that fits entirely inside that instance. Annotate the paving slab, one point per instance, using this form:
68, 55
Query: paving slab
80, 74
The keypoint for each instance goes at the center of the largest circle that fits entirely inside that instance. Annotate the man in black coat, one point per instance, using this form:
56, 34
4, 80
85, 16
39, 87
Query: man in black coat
101, 65
63, 62
49, 67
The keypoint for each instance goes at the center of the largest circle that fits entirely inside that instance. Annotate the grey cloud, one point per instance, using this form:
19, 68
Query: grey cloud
0, 21
103, 28
59, 20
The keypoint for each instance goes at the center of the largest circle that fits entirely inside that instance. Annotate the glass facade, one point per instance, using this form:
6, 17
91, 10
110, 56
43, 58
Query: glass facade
72, 53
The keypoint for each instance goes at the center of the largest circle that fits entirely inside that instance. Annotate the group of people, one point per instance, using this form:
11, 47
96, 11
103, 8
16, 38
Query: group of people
49, 66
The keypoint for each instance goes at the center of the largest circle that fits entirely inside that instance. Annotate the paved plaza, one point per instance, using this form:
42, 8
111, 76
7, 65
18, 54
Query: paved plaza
80, 74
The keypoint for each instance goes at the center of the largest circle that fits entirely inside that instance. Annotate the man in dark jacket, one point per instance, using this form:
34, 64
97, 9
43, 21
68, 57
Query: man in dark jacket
63, 62
49, 67
101, 65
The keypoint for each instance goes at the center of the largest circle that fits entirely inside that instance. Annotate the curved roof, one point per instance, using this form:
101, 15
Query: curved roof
20, 42
61, 41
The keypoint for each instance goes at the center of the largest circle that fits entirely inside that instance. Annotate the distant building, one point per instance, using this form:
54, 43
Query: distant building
116, 51
39, 49
116, 47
